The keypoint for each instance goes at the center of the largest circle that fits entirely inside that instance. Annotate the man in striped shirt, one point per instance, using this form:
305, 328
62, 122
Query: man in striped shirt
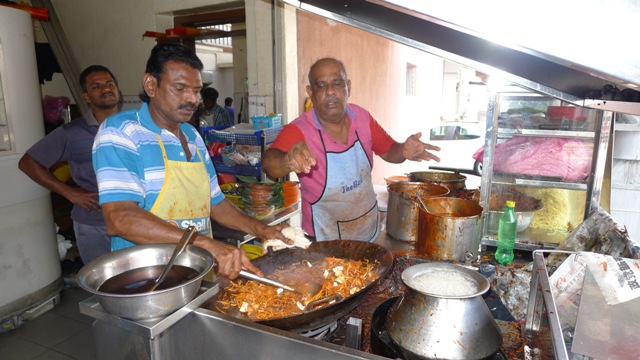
155, 177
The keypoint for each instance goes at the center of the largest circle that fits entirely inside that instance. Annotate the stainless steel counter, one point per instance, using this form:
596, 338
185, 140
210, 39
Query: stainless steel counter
396, 246
205, 334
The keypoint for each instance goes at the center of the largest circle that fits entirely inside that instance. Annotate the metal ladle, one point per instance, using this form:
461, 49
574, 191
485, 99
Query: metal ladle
182, 244
308, 289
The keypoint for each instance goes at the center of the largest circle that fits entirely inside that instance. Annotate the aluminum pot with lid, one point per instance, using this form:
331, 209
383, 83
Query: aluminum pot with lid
402, 209
450, 180
443, 315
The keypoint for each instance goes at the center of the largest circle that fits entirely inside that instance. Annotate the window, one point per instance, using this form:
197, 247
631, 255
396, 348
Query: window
223, 41
5, 139
411, 80
450, 132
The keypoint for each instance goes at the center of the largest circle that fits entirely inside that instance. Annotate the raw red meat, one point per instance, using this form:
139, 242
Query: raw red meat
565, 158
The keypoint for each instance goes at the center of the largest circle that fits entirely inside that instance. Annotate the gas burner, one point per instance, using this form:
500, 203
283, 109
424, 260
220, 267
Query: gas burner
321, 332
381, 343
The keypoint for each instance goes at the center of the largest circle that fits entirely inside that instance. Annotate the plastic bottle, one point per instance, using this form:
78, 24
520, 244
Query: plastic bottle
506, 234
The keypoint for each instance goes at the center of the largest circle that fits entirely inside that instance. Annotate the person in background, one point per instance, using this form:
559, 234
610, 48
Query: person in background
72, 142
228, 104
155, 176
210, 112
331, 149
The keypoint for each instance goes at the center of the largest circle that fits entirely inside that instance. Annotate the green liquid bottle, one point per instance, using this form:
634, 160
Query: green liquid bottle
507, 234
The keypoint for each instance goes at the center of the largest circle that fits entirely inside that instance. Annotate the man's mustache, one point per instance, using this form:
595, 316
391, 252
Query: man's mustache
190, 106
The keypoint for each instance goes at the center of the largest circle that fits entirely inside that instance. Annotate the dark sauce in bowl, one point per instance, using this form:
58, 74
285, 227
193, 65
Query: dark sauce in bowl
141, 280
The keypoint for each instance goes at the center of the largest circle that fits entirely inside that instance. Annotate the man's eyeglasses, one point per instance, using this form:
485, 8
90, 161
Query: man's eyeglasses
336, 84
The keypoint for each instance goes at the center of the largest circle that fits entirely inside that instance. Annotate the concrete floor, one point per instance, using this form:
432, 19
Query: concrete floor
61, 333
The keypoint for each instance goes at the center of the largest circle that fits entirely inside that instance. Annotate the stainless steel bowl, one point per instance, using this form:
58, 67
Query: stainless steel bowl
524, 219
148, 305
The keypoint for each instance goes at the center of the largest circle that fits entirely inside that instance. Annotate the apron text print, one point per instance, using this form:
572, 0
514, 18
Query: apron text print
347, 188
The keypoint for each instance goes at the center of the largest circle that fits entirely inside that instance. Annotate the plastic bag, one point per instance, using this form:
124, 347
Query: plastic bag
618, 278
55, 102
53, 108
63, 246
253, 158
231, 156
214, 148
564, 158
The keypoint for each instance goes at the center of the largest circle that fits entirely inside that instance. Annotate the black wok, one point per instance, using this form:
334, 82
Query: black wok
312, 319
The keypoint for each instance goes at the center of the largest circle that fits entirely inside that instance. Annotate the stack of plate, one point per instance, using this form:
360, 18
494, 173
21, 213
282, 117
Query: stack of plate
261, 199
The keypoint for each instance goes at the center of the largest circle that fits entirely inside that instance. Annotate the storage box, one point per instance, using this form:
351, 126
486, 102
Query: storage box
263, 121
259, 138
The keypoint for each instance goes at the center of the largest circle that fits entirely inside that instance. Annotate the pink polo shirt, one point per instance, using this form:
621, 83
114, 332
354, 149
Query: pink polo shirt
373, 137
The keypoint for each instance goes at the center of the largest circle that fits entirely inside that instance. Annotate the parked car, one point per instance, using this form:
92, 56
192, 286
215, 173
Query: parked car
458, 142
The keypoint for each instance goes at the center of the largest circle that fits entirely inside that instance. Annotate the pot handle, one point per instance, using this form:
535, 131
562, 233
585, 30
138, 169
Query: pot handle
335, 297
477, 239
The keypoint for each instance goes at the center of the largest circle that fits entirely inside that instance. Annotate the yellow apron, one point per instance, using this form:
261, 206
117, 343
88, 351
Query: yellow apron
185, 197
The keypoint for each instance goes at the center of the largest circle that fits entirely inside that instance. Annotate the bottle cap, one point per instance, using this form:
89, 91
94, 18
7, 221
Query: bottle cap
511, 203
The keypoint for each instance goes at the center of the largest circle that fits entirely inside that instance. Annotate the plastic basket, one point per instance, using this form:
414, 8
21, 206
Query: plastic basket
227, 154
204, 130
264, 121
246, 170
269, 134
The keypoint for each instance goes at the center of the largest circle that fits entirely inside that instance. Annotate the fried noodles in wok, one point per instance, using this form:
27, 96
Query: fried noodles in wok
263, 302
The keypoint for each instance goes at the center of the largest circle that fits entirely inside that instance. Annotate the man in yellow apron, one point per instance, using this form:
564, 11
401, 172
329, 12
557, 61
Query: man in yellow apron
154, 174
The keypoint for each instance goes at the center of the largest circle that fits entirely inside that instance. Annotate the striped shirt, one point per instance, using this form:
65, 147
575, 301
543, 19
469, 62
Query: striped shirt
128, 160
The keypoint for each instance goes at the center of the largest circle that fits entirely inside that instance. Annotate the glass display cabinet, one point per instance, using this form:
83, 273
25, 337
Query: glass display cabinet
548, 156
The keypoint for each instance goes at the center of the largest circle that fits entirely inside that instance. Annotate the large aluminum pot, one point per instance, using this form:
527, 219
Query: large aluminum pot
429, 323
402, 209
449, 229
450, 180
150, 305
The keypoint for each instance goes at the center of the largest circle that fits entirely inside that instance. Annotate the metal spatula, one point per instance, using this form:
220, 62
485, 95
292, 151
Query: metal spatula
307, 289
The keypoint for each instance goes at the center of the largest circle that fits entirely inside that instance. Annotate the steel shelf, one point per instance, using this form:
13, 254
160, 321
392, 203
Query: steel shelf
261, 138
574, 134
543, 183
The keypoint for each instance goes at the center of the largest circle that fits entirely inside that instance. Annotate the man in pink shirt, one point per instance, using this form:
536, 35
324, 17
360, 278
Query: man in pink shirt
331, 149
